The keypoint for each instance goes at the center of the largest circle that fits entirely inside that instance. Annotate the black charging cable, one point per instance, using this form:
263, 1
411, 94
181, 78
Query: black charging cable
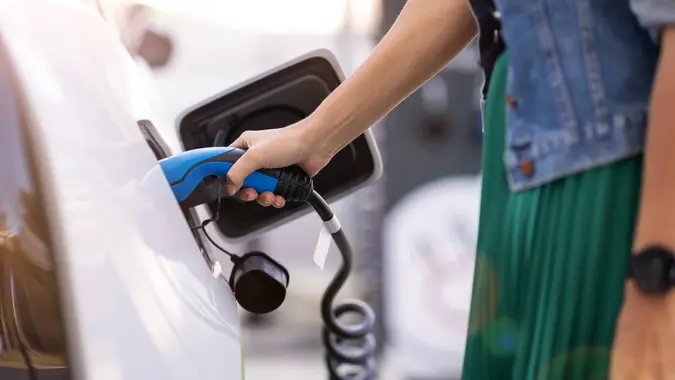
219, 140
213, 265
350, 349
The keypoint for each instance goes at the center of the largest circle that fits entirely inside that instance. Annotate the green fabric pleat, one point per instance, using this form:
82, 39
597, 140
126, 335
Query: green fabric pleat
550, 265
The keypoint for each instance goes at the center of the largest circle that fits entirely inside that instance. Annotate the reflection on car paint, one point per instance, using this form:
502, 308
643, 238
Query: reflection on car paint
31, 323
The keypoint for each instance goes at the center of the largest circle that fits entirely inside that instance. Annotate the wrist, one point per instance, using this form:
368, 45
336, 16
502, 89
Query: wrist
652, 269
321, 135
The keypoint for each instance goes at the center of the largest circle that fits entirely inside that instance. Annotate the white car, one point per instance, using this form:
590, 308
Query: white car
101, 277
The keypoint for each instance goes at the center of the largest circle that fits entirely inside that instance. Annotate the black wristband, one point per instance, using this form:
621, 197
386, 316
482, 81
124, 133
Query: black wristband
653, 269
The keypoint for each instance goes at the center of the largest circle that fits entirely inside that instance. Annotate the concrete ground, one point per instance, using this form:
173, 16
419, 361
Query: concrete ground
301, 366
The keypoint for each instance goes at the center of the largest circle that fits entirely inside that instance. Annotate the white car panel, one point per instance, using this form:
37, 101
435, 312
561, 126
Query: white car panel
143, 304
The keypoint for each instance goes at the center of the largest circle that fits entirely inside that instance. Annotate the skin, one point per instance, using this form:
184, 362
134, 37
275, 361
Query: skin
645, 335
645, 338
408, 53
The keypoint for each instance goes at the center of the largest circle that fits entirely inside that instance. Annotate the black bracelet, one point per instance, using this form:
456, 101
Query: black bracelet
653, 269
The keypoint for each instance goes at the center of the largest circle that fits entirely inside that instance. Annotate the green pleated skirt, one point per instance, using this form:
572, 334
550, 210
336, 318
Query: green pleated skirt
550, 265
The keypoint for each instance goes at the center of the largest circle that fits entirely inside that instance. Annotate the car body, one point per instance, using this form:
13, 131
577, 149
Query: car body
131, 274
101, 275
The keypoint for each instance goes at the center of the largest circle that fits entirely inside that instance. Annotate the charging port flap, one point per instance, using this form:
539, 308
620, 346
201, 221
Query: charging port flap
277, 98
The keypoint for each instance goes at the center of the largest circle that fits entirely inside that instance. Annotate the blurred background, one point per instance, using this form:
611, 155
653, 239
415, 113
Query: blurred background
414, 229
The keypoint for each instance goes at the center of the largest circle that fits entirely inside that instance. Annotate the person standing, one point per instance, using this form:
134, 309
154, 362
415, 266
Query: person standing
578, 174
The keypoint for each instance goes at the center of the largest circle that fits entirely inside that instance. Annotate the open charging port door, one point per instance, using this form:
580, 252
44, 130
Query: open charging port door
275, 99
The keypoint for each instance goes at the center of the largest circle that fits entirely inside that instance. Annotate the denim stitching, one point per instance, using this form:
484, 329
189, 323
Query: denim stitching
518, 186
622, 124
547, 42
543, 147
591, 61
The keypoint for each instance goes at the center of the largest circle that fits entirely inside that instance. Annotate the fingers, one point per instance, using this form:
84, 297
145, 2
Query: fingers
279, 201
267, 199
246, 194
242, 142
244, 166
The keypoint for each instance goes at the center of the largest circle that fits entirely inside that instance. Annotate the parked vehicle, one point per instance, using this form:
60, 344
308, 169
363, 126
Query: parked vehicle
100, 275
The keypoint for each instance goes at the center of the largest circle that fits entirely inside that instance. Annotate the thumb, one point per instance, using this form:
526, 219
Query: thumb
244, 166
242, 142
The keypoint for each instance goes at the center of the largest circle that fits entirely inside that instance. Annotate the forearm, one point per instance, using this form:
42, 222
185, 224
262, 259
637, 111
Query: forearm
424, 38
657, 204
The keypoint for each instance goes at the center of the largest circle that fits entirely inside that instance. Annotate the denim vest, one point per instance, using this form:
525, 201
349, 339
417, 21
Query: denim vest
579, 82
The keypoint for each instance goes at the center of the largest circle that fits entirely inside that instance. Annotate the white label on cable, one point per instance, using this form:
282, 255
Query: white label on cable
322, 247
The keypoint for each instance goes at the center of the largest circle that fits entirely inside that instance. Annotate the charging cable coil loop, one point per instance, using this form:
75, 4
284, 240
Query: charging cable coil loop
350, 349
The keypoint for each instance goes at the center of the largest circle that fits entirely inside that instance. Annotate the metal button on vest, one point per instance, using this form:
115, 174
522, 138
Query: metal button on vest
526, 167
511, 101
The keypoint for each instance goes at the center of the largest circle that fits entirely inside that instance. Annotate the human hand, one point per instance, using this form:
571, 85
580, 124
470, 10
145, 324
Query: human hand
644, 342
275, 148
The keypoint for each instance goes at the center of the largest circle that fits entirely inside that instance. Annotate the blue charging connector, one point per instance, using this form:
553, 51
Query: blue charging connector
188, 172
